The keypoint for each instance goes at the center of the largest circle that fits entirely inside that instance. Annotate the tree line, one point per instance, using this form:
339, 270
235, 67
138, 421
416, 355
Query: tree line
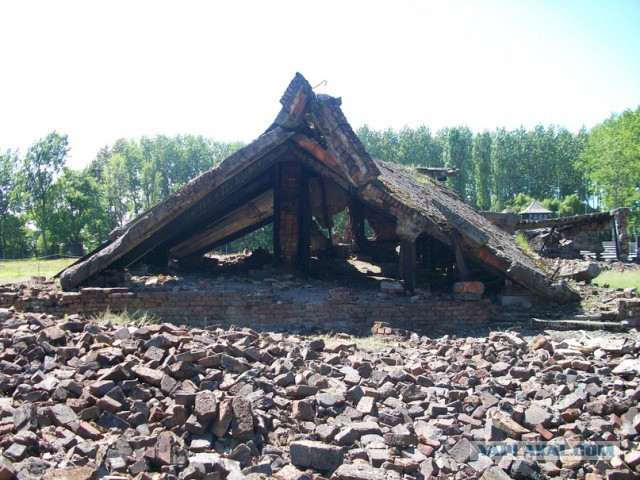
48, 208
569, 173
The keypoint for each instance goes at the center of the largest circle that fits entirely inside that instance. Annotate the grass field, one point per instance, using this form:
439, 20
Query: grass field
12, 271
619, 279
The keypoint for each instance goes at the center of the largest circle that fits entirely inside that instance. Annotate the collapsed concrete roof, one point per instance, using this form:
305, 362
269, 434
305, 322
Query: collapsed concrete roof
262, 183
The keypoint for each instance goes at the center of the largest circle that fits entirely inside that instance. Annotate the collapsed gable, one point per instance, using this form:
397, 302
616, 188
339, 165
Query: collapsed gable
296, 170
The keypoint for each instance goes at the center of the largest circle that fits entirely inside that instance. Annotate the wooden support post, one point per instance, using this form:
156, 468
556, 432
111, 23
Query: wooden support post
304, 242
356, 224
288, 230
277, 187
408, 265
325, 211
544, 244
462, 265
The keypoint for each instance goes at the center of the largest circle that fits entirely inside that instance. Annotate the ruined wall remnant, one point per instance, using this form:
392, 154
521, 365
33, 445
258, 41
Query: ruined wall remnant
339, 309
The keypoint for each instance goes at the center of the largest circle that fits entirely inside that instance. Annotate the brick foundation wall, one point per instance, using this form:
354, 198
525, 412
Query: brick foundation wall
338, 309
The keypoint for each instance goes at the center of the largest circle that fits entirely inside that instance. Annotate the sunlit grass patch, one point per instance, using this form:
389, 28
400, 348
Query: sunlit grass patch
523, 243
13, 271
627, 279
139, 317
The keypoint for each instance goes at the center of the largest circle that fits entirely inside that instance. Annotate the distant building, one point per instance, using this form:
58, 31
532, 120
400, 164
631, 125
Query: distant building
535, 211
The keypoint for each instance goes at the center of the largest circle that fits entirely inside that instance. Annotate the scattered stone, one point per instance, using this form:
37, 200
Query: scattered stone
462, 451
159, 400
316, 455
495, 473
15, 452
7, 471
358, 472
206, 406
508, 425
536, 415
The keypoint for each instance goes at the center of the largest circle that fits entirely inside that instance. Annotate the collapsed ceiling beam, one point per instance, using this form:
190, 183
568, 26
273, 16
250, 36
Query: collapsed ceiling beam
246, 214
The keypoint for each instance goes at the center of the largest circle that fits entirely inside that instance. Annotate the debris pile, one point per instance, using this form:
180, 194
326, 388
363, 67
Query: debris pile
84, 400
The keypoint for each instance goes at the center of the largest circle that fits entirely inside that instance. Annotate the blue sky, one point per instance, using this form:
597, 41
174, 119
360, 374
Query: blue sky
99, 71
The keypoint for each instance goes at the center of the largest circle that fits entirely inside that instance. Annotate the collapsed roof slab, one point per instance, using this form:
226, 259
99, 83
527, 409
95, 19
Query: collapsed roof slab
312, 130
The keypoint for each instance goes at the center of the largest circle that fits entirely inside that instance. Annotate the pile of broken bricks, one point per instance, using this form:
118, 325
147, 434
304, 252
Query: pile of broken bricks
82, 400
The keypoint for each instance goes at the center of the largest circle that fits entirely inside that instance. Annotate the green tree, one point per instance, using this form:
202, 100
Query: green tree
552, 204
571, 205
8, 160
130, 151
458, 142
519, 202
79, 218
481, 158
116, 191
41, 166
612, 161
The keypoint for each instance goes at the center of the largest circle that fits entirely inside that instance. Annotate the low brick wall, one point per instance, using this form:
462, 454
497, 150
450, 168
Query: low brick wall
629, 310
339, 309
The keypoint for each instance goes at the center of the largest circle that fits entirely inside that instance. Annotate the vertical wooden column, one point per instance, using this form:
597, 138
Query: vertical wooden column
277, 208
288, 230
462, 265
325, 211
292, 216
356, 225
408, 265
304, 236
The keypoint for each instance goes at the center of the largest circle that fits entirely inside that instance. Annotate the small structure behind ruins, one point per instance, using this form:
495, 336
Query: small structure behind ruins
535, 211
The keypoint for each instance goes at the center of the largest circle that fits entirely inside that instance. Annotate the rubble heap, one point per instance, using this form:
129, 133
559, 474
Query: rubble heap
84, 400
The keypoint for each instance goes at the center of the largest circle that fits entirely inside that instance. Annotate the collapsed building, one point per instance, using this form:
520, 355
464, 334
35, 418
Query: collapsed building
571, 237
304, 169
308, 166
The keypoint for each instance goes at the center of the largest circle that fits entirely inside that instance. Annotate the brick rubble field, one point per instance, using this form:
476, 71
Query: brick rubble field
83, 400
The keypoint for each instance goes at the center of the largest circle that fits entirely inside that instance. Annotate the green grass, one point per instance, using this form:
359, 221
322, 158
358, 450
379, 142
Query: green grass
13, 271
522, 242
370, 343
139, 317
619, 279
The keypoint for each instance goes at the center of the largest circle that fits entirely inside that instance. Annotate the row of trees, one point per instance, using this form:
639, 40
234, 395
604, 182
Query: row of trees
495, 166
46, 207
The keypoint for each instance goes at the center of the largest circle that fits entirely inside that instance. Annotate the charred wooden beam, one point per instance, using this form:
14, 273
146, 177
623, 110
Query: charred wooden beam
462, 265
277, 209
236, 235
247, 213
439, 173
314, 163
325, 210
546, 240
196, 197
189, 224
356, 224
289, 212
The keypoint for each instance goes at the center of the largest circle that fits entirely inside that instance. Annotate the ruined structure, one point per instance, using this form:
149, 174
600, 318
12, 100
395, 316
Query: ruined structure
308, 166
567, 237
570, 235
